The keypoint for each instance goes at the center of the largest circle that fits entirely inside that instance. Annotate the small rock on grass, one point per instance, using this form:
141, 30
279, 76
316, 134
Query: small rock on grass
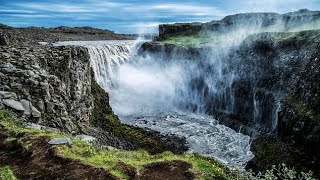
60, 141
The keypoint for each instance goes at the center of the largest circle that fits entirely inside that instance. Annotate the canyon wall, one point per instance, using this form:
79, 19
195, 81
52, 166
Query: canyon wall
54, 82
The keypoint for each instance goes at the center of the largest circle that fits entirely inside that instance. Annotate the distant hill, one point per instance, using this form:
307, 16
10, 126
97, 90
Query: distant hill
269, 21
32, 35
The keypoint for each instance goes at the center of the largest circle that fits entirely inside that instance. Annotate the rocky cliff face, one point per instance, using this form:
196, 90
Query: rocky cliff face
295, 20
52, 84
275, 90
56, 88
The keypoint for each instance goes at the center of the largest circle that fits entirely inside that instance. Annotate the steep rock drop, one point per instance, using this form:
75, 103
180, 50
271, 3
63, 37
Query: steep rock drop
152, 92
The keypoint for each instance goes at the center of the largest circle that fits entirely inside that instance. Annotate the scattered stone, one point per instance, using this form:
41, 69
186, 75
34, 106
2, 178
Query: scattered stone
110, 148
3, 39
1, 105
7, 95
27, 107
60, 141
34, 126
86, 138
7, 68
6, 55
13, 104
4, 87
40, 127
35, 112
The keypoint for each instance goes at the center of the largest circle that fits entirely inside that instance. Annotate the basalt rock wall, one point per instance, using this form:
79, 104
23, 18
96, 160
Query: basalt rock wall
52, 84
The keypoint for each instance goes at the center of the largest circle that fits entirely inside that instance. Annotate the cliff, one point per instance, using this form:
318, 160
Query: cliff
54, 82
272, 94
265, 21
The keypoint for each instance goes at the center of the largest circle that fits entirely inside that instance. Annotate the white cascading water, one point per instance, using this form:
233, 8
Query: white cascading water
149, 92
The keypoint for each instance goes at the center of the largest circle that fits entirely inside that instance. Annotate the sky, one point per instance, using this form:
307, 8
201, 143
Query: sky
134, 16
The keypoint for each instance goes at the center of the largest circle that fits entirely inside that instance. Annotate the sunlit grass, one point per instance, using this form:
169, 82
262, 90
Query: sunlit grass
202, 167
6, 173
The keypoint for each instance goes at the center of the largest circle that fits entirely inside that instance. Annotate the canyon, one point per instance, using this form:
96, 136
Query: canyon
243, 90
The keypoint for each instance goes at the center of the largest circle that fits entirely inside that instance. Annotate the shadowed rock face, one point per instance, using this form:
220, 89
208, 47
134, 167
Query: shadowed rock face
53, 84
254, 76
276, 91
3, 39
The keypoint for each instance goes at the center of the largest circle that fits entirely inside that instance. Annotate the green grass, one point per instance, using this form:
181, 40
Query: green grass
191, 40
203, 167
17, 125
98, 156
6, 173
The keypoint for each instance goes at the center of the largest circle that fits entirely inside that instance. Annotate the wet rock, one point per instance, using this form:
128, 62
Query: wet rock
60, 141
13, 104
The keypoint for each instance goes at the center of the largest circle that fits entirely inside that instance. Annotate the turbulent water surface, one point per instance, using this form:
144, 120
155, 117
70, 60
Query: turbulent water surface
153, 93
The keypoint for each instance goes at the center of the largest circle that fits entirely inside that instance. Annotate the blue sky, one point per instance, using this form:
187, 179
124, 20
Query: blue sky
134, 16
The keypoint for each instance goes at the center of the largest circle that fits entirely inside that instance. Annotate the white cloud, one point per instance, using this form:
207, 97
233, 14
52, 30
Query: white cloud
192, 9
280, 6
70, 8
30, 15
20, 11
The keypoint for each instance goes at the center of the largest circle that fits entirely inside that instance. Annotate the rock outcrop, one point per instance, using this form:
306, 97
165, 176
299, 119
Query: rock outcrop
49, 85
3, 39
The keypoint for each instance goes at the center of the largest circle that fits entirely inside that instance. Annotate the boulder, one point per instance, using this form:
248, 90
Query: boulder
86, 138
40, 127
27, 107
3, 40
35, 112
1, 105
7, 95
13, 104
60, 141
7, 68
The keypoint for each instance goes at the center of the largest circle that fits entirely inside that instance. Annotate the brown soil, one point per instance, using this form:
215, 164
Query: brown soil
33, 158
39, 161
170, 170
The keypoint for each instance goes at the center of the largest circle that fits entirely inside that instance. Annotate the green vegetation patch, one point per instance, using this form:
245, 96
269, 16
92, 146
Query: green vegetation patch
193, 40
17, 126
6, 173
203, 167
115, 160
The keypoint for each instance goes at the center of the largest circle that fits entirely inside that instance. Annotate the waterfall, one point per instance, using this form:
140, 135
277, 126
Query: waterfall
105, 60
156, 93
